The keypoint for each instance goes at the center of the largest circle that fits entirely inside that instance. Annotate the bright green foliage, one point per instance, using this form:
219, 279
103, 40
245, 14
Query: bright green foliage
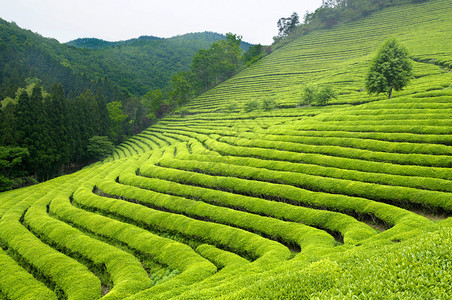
318, 96
251, 105
269, 103
117, 117
349, 200
309, 94
391, 69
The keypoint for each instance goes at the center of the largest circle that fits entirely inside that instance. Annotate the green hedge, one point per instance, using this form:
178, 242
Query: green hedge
351, 230
125, 271
178, 256
427, 183
355, 143
401, 220
291, 233
22, 285
401, 196
328, 161
428, 160
445, 139
69, 277
224, 236
220, 257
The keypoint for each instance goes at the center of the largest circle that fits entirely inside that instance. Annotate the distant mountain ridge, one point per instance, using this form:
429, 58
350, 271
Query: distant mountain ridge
135, 66
95, 43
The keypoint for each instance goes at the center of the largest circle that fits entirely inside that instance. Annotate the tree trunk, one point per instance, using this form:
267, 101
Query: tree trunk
390, 93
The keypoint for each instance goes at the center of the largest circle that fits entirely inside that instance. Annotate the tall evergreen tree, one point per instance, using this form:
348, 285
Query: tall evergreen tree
104, 121
58, 118
9, 134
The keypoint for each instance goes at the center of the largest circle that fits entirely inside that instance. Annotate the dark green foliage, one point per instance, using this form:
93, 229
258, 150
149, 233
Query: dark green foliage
99, 147
9, 134
288, 25
183, 89
10, 159
218, 63
136, 65
253, 54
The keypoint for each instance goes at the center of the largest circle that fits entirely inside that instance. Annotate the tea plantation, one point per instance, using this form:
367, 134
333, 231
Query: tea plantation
352, 200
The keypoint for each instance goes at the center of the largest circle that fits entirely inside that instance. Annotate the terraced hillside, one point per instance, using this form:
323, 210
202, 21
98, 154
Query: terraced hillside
349, 199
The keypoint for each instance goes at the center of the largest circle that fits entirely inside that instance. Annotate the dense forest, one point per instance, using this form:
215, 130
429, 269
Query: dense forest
65, 106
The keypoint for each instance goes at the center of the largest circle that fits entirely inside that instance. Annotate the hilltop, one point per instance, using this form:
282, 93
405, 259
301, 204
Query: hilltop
135, 66
228, 200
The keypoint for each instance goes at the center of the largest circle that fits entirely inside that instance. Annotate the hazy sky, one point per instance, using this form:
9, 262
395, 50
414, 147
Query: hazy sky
115, 20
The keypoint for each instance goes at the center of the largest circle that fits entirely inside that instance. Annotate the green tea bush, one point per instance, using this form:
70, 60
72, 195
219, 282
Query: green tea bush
268, 103
126, 272
251, 105
176, 255
394, 217
351, 230
395, 158
22, 285
327, 161
241, 241
400, 196
418, 182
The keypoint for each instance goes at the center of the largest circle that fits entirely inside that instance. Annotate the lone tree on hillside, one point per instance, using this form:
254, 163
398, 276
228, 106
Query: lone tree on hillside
391, 69
287, 25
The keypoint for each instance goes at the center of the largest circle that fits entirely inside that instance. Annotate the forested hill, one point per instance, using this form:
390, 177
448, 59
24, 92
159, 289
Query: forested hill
202, 37
135, 66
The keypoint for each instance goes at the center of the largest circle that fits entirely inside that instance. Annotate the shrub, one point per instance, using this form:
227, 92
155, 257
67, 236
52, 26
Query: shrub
231, 107
309, 94
251, 105
312, 94
269, 103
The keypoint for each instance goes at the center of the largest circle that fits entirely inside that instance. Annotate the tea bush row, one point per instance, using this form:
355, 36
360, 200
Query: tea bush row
351, 230
392, 216
22, 285
401, 196
291, 233
327, 161
244, 242
338, 151
175, 255
355, 143
126, 273
426, 183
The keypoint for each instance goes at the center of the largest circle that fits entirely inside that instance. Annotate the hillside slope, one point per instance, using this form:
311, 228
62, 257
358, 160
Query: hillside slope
353, 199
136, 66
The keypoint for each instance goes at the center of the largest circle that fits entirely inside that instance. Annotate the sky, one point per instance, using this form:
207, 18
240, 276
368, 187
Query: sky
115, 20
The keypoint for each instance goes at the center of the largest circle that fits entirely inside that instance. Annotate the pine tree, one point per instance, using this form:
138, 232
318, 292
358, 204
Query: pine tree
9, 134
58, 118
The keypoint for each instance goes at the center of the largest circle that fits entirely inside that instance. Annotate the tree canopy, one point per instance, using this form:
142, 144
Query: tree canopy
287, 25
391, 69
